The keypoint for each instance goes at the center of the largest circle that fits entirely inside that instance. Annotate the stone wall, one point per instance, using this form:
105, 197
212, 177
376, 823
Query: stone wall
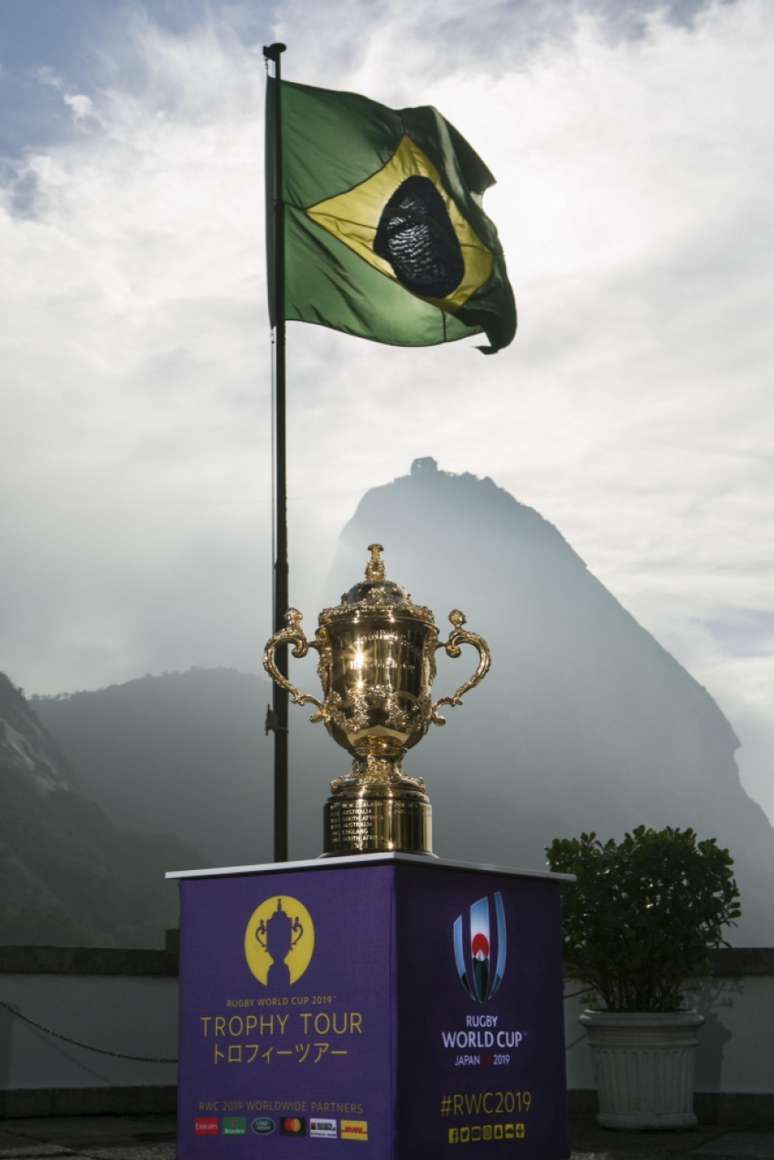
124, 1002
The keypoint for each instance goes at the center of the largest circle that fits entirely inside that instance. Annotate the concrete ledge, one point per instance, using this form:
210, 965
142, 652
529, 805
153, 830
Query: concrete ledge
86, 961
24, 1103
582, 1103
750, 1109
737, 962
729, 962
740, 1109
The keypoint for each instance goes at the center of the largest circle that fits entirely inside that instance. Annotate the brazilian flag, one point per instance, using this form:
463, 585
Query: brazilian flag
385, 236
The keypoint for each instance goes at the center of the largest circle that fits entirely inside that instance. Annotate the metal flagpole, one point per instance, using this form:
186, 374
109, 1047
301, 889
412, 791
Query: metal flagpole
277, 716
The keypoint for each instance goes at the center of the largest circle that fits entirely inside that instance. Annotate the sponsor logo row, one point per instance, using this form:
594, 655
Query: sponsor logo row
319, 1129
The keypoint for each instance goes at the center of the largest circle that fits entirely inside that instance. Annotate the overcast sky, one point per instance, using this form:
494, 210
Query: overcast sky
633, 150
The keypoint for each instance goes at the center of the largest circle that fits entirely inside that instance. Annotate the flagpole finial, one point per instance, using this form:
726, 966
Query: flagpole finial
274, 51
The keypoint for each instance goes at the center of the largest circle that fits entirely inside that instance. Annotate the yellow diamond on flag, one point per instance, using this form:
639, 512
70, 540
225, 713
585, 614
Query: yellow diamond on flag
404, 224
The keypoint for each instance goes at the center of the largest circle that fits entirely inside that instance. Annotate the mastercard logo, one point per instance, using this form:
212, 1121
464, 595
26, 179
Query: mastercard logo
293, 1126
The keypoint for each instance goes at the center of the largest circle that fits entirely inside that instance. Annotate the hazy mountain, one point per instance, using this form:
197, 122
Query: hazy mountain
183, 752
585, 721
70, 877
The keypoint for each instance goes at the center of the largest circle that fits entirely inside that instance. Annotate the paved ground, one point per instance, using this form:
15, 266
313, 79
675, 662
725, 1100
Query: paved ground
94, 1137
153, 1138
708, 1142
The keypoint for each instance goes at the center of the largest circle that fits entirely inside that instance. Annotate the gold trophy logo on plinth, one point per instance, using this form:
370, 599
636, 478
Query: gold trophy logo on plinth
377, 666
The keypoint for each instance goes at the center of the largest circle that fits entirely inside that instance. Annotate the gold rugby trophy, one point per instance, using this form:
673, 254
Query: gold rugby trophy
377, 666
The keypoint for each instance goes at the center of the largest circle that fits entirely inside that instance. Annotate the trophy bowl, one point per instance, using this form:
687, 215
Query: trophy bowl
377, 666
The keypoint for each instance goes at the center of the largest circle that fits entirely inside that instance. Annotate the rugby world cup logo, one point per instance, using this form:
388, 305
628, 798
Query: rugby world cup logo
480, 959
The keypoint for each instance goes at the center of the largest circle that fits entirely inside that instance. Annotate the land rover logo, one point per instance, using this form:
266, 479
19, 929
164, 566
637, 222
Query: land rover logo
263, 1126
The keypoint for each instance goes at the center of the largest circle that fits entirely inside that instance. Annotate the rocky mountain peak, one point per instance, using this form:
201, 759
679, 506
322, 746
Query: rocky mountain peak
26, 747
585, 722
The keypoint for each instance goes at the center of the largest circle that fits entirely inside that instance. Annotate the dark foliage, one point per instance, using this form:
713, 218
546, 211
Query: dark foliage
643, 913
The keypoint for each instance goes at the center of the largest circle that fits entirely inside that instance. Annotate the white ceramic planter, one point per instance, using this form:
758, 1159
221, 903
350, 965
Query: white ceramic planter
643, 1065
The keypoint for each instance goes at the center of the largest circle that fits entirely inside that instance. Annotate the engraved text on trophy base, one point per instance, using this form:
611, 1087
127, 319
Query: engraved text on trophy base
371, 825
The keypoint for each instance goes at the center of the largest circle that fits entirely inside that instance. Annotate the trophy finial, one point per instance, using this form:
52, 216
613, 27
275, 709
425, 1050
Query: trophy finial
375, 566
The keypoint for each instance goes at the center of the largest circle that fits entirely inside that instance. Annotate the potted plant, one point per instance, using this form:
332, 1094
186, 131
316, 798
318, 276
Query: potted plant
637, 926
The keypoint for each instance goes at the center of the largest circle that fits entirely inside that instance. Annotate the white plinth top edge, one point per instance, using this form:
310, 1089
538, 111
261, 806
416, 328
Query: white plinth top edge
361, 859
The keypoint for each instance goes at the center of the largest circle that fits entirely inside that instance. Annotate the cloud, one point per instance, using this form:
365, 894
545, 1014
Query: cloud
632, 410
135, 361
48, 76
82, 106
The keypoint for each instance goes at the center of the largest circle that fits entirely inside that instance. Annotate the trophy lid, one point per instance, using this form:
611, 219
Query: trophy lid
376, 594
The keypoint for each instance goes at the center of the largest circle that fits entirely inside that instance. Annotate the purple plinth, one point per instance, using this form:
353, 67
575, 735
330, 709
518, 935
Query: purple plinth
389, 1007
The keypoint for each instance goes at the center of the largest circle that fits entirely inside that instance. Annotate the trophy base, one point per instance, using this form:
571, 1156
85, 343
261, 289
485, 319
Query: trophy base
376, 817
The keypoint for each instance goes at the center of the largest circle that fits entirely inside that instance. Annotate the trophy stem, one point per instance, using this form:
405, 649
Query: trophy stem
377, 809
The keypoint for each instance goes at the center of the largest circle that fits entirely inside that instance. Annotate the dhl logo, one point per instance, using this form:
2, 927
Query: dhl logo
354, 1129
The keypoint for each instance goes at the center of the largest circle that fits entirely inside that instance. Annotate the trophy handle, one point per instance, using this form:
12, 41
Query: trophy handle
459, 637
293, 634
